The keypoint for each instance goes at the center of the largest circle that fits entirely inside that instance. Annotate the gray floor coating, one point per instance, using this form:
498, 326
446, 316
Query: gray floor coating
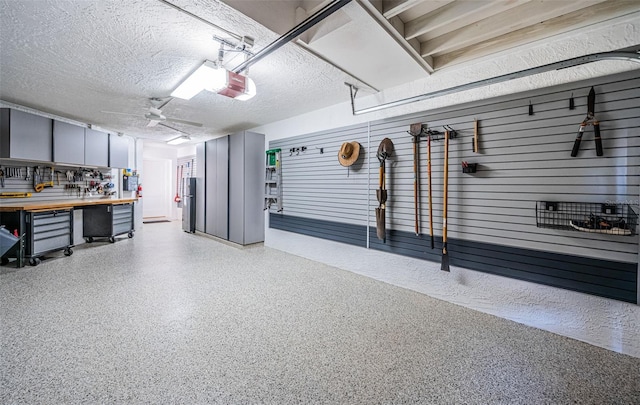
173, 318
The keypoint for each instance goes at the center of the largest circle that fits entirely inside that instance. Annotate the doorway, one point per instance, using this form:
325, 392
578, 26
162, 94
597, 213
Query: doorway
157, 190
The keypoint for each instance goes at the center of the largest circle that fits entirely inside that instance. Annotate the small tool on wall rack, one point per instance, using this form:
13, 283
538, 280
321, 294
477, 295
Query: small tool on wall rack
297, 150
475, 148
590, 119
469, 167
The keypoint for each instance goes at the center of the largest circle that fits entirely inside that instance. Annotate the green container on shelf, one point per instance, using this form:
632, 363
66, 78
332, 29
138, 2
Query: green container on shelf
271, 156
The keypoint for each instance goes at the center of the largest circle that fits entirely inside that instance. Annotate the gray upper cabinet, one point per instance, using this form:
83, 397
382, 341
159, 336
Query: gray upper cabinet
68, 143
96, 148
118, 151
25, 136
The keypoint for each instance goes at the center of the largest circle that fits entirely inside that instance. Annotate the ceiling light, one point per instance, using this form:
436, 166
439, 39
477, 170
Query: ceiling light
218, 80
179, 140
196, 82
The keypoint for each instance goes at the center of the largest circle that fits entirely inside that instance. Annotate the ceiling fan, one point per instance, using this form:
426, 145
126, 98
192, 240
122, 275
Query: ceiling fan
155, 116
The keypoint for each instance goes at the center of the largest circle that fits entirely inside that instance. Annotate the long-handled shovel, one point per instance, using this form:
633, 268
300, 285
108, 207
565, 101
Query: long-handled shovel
430, 202
445, 256
384, 151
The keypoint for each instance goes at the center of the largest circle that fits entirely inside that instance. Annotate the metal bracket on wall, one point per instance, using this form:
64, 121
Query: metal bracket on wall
596, 57
297, 150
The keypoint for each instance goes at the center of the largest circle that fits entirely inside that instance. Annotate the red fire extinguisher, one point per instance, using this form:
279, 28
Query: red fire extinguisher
139, 191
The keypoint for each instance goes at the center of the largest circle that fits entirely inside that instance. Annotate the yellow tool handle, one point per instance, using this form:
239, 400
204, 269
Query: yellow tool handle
40, 186
14, 195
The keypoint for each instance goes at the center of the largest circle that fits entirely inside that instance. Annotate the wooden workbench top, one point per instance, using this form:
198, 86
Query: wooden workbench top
62, 204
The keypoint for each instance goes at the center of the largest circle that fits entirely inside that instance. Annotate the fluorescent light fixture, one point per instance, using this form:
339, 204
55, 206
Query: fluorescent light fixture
209, 76
195, 82
178, 140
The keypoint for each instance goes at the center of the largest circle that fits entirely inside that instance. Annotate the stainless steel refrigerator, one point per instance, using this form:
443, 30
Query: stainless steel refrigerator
189, 205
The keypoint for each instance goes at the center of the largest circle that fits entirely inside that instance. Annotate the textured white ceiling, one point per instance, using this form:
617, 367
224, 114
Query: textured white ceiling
78, 58
75, 59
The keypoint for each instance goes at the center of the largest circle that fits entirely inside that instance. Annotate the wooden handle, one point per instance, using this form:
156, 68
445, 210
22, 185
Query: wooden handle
475, 136
446, 184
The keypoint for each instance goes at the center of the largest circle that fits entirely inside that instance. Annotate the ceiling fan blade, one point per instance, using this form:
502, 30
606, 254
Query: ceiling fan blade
121, 113
193, 124
155, 111
175, 129
152, 123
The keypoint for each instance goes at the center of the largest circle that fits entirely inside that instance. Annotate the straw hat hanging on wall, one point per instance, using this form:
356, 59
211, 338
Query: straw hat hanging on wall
348, 154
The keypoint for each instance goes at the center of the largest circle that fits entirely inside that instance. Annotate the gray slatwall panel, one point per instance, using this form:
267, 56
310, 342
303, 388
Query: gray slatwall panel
523, 159
55, 193
521, 142
316, 186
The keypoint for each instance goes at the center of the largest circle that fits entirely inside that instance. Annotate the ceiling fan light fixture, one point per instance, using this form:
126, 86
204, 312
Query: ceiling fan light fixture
179, 140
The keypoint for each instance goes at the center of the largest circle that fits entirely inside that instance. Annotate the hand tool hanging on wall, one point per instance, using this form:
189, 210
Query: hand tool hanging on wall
178, 176
384, 151
415, 130
445, 255
14, 195
38, 183
475, 137
430, 196
589, 120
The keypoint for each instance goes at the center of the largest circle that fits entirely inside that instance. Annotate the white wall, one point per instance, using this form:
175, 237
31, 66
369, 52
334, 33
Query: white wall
603, 322
155, 150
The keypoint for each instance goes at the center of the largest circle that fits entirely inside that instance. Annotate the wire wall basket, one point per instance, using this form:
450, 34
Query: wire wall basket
604, 218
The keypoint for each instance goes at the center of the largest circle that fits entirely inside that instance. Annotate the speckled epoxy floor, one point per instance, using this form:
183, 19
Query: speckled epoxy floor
170, 317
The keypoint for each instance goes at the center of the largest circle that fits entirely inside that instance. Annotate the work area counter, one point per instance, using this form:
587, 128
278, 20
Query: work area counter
61, 204
47, 226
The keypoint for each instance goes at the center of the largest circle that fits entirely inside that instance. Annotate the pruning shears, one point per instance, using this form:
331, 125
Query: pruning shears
589, 120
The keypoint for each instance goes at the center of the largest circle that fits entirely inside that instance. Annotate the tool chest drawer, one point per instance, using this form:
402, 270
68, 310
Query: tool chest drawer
49, 231
107, 221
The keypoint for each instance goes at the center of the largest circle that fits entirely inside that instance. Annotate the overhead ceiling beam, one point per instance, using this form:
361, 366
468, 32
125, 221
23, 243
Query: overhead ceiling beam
456, 15
568, 22
424, 62
392, 8
516, 18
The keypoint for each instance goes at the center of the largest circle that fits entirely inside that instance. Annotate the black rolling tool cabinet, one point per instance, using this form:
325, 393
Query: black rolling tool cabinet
107, 221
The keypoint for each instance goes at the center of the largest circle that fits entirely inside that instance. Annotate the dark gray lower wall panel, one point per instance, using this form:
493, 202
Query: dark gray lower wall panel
611, 279
335, 231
